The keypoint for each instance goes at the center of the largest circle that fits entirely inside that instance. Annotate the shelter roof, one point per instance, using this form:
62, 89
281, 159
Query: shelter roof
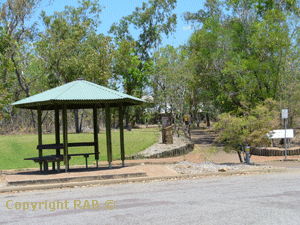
78, 94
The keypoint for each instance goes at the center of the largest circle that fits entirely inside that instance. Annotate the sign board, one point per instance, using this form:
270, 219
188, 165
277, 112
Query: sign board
284, 114
165, 121
278, 134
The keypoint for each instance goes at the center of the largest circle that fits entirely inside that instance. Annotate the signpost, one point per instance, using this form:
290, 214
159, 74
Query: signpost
285, 115
165, 121
167, 130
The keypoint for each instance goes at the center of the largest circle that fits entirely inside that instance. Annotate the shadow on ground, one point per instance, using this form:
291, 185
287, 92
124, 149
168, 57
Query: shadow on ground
72, 170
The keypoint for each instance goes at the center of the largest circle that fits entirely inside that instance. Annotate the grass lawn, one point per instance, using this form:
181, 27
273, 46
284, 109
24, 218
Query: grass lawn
15, 148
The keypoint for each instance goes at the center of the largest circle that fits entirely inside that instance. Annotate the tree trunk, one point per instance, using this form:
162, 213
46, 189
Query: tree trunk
207, 120
75, 111
33, 120
240, 157
81, 119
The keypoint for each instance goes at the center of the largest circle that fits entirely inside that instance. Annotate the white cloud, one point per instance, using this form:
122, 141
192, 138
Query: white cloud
187, 28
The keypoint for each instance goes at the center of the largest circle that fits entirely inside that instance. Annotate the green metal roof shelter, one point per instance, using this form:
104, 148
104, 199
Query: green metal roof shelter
79, 94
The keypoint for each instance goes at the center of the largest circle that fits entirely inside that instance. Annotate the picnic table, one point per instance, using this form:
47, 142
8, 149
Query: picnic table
58, 157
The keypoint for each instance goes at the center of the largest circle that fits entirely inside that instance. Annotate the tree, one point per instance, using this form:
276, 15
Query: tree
240, 57
16, 79
131, 69
13, 15
4, 64
5, 41
153, 20
208, 52
133, 73
171, 80
69, 40
70, 47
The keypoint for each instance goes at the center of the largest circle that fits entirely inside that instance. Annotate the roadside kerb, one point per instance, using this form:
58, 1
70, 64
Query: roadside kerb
138, 179
75, 179
118, 164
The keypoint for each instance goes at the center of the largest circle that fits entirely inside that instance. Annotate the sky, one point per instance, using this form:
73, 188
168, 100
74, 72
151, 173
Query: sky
115, 9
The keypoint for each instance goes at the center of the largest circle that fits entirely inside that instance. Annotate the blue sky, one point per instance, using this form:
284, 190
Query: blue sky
115, 9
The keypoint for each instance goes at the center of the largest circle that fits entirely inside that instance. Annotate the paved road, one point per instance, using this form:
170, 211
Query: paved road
251, 199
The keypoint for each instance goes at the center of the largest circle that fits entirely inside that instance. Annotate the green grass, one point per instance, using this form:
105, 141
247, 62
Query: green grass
15, 148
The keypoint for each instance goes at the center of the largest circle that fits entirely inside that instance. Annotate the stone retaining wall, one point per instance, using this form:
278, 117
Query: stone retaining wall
272, 151
167, 153
174, 152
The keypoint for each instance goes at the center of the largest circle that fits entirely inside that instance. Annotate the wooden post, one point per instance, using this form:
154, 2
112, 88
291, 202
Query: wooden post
108, 134
95, 117
121, 135
65, 137
40, 135
57, 136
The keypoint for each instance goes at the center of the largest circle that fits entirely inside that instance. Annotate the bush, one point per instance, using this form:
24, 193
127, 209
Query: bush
250, 128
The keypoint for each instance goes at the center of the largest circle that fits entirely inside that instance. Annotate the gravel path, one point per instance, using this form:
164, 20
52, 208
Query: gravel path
195, 168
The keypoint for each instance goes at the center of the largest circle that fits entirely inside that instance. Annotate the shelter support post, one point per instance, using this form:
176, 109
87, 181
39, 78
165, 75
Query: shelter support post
40, 135
65, 137
57, 136
108, 134
121, 135
95, 115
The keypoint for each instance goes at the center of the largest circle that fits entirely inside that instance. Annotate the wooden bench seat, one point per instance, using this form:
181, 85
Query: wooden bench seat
46, 159
57, 158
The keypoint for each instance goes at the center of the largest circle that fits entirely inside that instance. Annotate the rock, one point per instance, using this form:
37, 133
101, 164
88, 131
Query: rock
182, 166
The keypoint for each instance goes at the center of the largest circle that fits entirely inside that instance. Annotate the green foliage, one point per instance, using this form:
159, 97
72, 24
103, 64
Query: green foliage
246, 56
291, 101
70, 48
133, 63
128, 67
4, 45
5, 63
249, 129
171, 79
152, 19
261, 7
17, 58
241, 53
